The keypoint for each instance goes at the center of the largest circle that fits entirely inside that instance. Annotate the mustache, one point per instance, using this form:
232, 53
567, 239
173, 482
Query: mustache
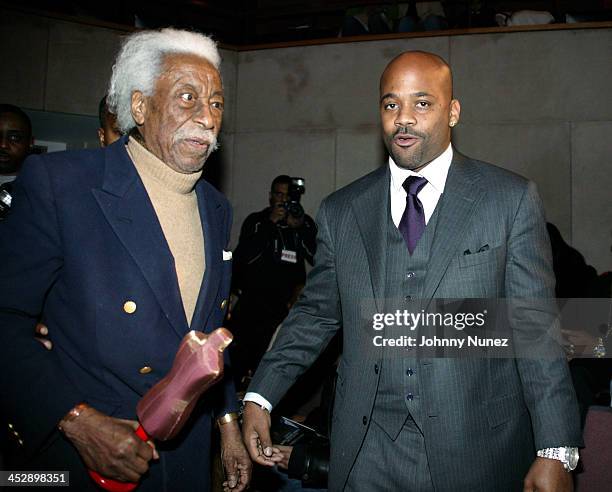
207, 136
407, 131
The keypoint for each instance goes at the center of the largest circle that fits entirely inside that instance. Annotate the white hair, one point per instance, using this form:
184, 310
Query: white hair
139, 64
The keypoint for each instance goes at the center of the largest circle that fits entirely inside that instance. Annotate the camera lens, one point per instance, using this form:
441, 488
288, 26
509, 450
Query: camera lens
295, 209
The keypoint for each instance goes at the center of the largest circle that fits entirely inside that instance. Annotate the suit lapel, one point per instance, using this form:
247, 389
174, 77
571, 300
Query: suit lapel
129, 211
212, 228
371, 209
460, 199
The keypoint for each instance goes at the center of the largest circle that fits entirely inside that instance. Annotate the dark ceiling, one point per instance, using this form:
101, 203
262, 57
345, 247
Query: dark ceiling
242, 22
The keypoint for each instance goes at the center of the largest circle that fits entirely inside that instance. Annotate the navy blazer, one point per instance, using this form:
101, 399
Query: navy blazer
82, 239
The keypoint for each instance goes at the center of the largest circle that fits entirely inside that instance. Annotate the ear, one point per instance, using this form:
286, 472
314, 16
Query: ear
455, 111
139, 107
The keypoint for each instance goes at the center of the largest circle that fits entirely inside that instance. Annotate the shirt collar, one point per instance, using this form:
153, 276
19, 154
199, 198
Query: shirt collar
435, 172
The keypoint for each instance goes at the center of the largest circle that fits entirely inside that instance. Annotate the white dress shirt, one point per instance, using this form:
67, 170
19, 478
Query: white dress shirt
435, 173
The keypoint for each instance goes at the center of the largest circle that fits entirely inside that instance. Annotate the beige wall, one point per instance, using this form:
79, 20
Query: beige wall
538, 103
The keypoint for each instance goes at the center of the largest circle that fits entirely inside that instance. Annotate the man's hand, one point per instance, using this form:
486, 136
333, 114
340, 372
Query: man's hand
235, 458
547, 475
41, 332
256, 435
278, 213
109, 446
286, 452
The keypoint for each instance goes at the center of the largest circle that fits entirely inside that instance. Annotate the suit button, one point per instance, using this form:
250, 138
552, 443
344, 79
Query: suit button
20, 442
376, 368
129, 307
409, 372
223, 303
145, 370
410, 274
10, 426
364, 420
409, 397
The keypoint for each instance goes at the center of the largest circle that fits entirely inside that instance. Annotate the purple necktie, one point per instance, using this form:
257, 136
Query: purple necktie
412, 223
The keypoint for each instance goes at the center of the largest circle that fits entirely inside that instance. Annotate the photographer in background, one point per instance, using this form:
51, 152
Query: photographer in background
15, 144
269, 270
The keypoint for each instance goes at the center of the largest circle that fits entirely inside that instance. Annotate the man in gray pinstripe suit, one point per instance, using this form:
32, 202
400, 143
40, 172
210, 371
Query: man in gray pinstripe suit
466, 230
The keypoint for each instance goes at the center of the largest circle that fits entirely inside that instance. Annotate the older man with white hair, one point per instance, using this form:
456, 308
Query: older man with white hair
120, 252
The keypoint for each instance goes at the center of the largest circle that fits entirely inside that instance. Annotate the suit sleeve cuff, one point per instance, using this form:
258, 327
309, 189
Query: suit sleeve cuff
258, 399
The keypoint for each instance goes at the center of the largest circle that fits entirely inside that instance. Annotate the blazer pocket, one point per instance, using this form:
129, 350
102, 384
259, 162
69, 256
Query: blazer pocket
505, 408
466, 261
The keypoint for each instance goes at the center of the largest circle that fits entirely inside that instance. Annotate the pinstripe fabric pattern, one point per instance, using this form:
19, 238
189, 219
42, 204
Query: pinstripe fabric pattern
399, 393
482, 419
402, 462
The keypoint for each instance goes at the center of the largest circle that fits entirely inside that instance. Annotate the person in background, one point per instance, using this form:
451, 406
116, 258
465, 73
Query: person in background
576, 279
268, 273
15, 141
108, 132
15, 144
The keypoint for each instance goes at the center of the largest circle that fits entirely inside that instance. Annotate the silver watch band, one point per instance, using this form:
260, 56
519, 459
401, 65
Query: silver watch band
566, 455
552, 453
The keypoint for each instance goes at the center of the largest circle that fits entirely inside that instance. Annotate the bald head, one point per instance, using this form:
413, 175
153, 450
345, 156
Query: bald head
423, 62
417, 108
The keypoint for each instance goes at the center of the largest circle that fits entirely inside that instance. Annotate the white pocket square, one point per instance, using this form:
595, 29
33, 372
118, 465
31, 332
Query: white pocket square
227, 255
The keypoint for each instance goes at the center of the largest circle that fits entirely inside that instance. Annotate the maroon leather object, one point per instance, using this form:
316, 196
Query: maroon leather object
198, 364
165, 408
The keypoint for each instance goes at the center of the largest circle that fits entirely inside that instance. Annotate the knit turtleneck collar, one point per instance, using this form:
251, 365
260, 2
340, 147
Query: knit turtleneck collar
150, 166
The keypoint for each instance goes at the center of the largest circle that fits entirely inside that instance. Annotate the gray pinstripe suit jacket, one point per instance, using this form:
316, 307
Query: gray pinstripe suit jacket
484, 418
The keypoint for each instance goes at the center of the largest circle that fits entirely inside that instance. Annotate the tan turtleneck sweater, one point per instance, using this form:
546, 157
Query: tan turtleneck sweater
176, 205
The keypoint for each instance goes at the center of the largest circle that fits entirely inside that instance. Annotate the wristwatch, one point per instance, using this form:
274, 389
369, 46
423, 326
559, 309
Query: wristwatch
568, 456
